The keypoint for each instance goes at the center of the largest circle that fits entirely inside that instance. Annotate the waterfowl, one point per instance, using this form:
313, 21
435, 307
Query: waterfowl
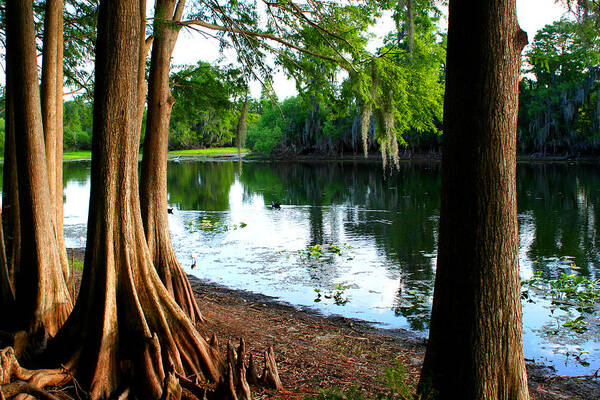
275, 205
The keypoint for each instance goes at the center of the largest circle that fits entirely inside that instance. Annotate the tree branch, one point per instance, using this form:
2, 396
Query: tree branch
263, 35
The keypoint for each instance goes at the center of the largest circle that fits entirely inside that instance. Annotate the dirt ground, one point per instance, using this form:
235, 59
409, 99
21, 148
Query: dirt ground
314, 352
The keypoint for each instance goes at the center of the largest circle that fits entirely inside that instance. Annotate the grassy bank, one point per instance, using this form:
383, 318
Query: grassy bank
77, 155
86, 155
207, 152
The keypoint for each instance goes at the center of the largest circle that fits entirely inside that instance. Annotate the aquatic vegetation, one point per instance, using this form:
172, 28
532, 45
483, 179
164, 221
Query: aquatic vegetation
324, 253
576, 295
337, 293
209, 225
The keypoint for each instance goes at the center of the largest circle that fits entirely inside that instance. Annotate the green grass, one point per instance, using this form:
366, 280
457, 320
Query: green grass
77, 155
77, 264
87, 155
83, 155
207, 152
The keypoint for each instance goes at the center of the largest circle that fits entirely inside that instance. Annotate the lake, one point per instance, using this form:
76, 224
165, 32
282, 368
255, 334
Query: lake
352, 240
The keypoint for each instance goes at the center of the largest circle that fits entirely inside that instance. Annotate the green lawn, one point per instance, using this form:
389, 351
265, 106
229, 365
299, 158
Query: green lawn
77, 155
86, 155
82, 155
207, 152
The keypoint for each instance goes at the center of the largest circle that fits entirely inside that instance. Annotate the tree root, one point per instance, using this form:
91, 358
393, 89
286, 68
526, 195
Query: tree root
21, 383
235, 385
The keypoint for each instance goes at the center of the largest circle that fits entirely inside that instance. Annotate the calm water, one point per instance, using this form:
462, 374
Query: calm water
385, 230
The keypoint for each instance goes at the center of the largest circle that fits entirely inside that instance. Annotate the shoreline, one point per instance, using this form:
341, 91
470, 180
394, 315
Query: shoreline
177, 155
356, 344
316, 352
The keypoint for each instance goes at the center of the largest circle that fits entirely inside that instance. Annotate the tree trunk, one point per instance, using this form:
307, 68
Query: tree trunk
10, 193
240, 132
475, 348
51, 96
126, 330
42, 297
142, 85
410, 27
60, 233
6, 291
153, 182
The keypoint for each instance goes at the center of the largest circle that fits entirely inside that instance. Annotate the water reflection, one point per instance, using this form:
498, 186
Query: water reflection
200, 186
563, 203
398, 212
388, 224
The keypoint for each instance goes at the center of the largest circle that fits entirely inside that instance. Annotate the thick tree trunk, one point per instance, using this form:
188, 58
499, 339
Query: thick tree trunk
60, 233
51, 100
126, 330
10, 193
475, 348
48, 92
153, 182
42, 297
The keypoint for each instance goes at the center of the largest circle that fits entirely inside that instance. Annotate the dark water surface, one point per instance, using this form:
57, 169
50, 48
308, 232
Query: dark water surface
384, 234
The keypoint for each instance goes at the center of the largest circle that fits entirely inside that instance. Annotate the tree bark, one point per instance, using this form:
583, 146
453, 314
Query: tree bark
240, 132
10, 192
126, 330
51, 100
42, 297
410, 27
7, 297
60, 233
153, 182
475, 348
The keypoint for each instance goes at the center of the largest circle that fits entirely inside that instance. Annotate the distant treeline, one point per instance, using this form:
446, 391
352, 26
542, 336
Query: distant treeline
559, 111
560, 95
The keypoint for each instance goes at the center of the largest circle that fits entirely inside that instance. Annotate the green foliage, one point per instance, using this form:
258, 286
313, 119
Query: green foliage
277, 123
77, 120
403, 91
207, 106
559, 98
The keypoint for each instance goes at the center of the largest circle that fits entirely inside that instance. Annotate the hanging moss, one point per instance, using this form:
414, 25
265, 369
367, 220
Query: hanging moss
366, 112
240, 137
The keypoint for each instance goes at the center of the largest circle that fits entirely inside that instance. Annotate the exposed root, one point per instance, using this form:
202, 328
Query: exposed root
171, 389
235, 384
191, 388
251, 375
179, 287
29, 346
19, 382
270, 377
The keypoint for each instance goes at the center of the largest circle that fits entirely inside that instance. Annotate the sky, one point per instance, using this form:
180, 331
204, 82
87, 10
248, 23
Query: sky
535, 14
191, 47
